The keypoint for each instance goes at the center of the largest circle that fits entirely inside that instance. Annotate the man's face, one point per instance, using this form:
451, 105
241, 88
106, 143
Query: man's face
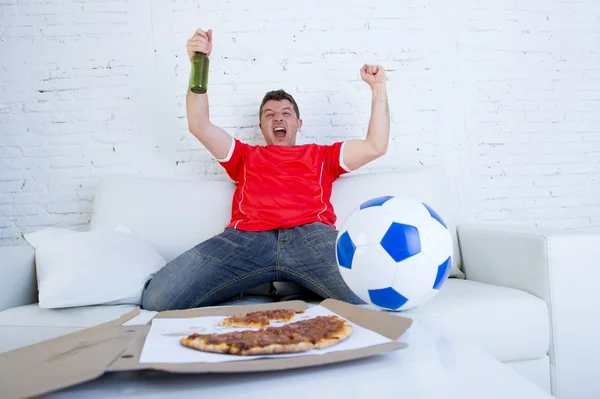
279, 123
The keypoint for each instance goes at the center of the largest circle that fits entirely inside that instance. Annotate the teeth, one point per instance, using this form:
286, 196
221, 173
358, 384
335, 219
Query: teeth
279, 129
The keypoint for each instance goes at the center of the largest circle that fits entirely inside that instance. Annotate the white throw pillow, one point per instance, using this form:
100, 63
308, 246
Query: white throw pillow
97, 267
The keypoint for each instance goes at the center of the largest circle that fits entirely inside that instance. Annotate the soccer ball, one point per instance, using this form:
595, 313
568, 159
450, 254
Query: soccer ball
394, 252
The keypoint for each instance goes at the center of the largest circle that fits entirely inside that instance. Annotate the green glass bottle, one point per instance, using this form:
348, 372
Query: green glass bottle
199, 73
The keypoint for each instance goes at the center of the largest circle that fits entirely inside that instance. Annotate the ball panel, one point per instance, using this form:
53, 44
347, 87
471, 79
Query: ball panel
345, 249
401, 241
415, 276
354, 284
435, 215
406, 211
436, 241
367, 226
412, 303
387, 298
375, 201
373, 267
443, 271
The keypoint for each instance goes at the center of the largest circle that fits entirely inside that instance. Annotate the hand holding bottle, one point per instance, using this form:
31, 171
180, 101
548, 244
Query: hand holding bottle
200, 42
199, 47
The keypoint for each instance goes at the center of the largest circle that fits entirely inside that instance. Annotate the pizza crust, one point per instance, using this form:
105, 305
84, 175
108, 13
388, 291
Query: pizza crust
272, 349
233, 323
319, 333
259, 319
278, 348
200, 344
337, 338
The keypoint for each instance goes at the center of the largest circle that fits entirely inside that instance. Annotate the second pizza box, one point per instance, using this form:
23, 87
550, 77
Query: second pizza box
112, 347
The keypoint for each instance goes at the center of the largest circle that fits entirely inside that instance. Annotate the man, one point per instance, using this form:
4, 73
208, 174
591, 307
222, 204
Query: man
282, 224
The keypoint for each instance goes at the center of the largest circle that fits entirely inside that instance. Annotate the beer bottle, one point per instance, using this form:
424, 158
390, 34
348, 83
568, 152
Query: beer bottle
199, 73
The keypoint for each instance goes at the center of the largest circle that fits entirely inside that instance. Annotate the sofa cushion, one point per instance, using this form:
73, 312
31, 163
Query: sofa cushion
14, 337
27, 325
175, 215
509, 324
84, 316
92, 267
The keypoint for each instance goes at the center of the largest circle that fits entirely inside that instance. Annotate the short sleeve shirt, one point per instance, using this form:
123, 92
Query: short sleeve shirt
282, 186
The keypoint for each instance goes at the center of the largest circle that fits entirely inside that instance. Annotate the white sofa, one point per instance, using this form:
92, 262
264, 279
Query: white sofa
529, 296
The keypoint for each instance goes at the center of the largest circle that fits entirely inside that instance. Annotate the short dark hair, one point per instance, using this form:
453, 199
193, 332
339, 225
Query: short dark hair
278, 95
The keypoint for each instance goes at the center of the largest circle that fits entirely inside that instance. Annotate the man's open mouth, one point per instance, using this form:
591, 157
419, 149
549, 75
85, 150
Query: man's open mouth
279, 131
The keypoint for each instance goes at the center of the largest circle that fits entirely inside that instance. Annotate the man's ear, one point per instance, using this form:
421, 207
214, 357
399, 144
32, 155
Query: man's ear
299, 123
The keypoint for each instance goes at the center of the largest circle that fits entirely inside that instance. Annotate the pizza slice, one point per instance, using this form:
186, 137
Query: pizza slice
319, 332
259, 319
323, 331
249, 342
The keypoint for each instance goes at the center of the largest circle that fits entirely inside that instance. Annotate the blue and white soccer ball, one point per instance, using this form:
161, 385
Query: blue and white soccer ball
394, 252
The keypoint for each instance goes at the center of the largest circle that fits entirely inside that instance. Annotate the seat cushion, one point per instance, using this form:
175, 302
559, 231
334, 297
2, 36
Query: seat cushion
14, 337
26, 325
509, 324
82, 317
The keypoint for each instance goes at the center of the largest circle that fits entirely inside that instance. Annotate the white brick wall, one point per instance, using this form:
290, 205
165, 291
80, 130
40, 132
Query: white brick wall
533, 110
504, 94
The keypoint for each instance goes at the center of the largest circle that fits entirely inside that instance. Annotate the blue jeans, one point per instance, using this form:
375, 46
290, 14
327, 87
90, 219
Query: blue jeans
235, 261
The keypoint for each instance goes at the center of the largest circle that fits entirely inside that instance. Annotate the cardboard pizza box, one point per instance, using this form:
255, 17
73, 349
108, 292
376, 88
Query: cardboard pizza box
112, 347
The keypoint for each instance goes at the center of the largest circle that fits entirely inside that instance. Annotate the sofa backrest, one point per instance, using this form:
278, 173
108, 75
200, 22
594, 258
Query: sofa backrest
426, 184
175, 215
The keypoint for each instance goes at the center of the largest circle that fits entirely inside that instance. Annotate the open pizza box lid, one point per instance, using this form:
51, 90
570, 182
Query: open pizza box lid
111, 347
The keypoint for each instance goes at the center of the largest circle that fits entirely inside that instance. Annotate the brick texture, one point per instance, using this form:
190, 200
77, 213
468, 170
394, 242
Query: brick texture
505, 95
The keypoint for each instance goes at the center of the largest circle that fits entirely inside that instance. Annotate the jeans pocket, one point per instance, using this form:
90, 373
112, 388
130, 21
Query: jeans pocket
322, 242
223, 246
321, 237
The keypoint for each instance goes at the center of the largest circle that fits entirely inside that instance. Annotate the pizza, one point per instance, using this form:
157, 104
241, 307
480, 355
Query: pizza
318, 332
259, 319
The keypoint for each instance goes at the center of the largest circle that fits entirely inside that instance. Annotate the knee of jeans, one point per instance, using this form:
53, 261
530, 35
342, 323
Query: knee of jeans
354, 299
152, 299
357, 301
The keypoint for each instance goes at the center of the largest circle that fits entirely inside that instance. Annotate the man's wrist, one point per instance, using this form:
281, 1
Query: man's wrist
379, 89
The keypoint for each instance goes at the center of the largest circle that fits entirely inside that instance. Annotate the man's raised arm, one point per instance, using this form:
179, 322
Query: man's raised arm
215, 139
358, 152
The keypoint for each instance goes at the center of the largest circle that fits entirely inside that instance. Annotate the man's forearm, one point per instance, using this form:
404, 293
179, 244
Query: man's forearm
360, 152
379, 126
215, 139
197, 111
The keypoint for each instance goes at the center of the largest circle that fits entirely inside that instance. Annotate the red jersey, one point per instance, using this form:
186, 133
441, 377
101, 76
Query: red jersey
282, 187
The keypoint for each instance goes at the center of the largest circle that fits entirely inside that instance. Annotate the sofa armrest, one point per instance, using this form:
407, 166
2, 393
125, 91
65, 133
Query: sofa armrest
18, 284
560, 267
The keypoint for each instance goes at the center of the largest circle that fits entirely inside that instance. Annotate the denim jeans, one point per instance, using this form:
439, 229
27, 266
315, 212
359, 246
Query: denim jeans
235, 261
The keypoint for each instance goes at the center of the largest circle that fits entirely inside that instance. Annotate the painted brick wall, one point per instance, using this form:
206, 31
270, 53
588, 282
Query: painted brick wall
503, 94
